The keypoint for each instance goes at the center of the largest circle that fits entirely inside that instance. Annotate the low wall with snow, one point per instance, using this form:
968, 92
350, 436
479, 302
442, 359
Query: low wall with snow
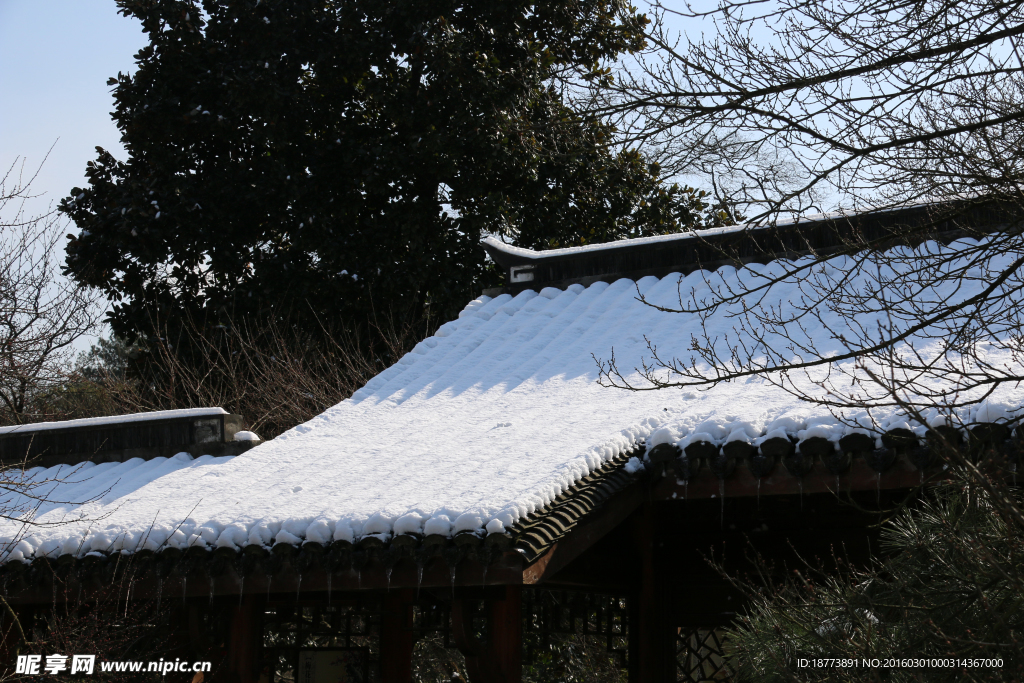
199, 431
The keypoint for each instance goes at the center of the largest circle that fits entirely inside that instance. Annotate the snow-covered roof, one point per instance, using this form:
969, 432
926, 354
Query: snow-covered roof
87, 422
480, 425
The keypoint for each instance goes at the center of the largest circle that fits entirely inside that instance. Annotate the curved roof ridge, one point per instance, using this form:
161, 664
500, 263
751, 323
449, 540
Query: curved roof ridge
685, 252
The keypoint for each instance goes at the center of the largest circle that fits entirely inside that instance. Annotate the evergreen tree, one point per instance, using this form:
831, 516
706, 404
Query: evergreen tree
943, 602
342, 158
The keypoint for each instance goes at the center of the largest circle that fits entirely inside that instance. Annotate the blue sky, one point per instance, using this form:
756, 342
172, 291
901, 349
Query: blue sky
55, 59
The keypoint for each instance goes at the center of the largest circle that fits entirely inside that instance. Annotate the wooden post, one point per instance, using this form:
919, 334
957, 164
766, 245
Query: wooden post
244, 641
500, 658
396, 637
507, 633
655, 647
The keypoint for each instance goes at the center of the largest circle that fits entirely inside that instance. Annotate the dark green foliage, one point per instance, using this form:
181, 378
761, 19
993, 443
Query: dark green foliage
950, 587
349, 154
432, 662
107, 359
574, 659
565, 659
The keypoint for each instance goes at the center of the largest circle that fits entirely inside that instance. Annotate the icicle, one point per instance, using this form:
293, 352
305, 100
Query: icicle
759, 493
159, 592
387, 574
184, 587
329, 575
359, 579
686, 489
211, 590
878, 489
483, 580
298, 587
241, 591
800, 483
269, 579
452, 572
419, 577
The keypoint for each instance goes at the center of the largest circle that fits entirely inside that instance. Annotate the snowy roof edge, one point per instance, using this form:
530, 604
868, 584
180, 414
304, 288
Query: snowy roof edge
532, 254
114, 419
684, 252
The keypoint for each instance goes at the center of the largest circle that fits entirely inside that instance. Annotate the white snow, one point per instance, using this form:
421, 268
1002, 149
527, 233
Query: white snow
247, 436
115, 419
478, 426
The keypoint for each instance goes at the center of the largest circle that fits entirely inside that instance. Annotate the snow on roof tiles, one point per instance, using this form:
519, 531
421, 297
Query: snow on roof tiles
480, 425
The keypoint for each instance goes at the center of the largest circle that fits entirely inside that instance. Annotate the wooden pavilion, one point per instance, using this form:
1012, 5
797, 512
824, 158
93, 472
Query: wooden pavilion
620, 556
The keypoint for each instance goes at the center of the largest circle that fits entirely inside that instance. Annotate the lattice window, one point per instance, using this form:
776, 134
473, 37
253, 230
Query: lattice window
301, 636
549, 614
430, 618
435, 657
700, 655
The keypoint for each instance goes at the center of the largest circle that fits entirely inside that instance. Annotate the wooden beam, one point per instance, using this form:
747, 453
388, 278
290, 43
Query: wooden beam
508, 569
587, 532
743, 483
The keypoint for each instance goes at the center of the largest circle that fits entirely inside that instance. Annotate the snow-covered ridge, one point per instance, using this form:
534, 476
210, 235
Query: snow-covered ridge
115, 419
478, 427
496, 242
605, 246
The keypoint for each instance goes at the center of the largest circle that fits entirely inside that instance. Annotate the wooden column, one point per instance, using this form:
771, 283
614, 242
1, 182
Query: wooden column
244, 641
507, 633
396, 637
653, 629
500, 658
